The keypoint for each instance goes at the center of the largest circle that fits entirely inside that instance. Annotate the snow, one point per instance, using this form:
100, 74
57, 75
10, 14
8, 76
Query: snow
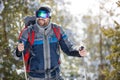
1, 6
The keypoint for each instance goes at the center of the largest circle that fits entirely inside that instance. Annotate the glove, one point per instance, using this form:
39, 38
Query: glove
20, 49
81, 48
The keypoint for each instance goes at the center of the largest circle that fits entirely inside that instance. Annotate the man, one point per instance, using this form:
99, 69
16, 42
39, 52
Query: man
44, 52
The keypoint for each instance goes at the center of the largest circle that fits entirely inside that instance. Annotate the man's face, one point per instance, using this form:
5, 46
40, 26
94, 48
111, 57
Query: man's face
43, 17
43, 21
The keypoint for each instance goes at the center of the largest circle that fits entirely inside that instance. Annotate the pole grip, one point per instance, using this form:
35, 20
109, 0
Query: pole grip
81, 48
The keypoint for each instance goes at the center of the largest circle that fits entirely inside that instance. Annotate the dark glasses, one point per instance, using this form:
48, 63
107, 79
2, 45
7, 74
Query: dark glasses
42, 14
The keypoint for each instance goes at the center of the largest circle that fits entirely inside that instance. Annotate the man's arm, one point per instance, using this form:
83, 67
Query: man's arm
67, 46
21, 42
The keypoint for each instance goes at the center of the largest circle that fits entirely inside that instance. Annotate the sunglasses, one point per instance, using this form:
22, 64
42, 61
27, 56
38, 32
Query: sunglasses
42, 14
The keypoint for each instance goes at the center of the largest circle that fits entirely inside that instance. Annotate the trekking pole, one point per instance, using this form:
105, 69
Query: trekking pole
85, 75
25, 73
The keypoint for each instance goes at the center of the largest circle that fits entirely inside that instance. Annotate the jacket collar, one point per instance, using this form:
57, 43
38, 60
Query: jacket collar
43, 30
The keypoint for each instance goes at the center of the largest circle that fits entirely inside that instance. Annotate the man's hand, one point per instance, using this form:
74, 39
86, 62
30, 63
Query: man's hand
82, 52
20, 47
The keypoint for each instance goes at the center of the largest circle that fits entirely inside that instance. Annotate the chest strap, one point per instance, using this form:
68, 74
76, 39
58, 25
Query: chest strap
47, 71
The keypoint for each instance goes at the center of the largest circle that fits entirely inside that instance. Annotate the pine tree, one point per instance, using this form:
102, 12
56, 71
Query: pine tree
113, 72
11, 14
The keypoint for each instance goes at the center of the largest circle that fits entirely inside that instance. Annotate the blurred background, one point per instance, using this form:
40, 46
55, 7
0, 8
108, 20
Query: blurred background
94, 24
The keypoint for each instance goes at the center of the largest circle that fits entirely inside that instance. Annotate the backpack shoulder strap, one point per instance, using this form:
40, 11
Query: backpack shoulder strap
31, 37
56, 31
21, 32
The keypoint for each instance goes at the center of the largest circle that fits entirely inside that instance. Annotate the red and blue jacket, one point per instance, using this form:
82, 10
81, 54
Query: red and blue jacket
44, 52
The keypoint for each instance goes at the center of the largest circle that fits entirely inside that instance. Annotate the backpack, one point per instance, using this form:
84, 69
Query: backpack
30, 20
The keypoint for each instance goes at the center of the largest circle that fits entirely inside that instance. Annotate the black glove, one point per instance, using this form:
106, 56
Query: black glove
81, 48
18, 53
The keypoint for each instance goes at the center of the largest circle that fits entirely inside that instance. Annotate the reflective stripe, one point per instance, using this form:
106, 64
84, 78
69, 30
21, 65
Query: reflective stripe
38, 42
52, 40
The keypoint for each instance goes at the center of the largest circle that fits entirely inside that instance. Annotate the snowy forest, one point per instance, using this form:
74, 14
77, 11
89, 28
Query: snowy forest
97, 29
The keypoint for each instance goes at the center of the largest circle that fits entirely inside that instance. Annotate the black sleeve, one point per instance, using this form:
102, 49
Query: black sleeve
67, 46
68, 49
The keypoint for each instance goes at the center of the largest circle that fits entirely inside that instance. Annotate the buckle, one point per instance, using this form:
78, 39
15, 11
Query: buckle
47, 71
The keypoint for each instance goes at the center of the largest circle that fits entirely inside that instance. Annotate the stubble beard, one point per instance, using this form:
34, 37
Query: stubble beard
43, 24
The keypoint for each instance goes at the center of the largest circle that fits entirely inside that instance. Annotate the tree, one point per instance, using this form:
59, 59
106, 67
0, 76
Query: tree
8, 35
112, 72
95, 44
